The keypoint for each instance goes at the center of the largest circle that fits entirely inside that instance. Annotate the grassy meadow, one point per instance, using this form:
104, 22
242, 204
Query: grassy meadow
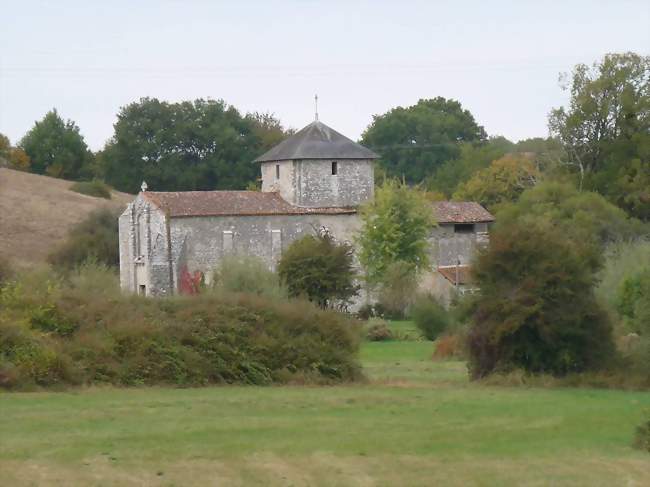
414, 422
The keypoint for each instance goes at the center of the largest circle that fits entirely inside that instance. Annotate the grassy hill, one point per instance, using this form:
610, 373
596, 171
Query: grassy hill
36, 213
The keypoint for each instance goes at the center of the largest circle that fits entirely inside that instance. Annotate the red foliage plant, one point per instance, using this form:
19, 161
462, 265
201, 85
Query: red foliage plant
190, 283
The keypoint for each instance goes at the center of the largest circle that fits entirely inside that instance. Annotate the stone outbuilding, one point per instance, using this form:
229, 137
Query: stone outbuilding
316, 178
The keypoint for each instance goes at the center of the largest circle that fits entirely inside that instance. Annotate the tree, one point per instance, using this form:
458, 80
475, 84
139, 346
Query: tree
416, 140
12, 157
199, 145
473, 157
57, 148
536, 309
606, 129
396, 225
585, 216
320, 268
503, 181
5, 147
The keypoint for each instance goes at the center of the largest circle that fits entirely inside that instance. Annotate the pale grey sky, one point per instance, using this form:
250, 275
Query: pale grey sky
500, 59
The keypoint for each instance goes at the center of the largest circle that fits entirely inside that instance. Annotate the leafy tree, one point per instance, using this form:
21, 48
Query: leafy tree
12, 157
585, 216
503, 181
319, 268
416, 140
199, 145
5, 147
606, 129
396, 225
536, 309
93, 239
473, 157
55, 147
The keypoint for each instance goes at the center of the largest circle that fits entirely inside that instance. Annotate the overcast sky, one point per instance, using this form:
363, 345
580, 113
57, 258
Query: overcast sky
499, 59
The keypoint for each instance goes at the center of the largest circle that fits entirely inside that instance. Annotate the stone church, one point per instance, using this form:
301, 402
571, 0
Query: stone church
316, 178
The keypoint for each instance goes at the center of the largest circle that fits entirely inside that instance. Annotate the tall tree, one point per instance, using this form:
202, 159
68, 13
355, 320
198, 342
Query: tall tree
606, 129
396, 225
536, 309
55, 147
199, 145
415, 141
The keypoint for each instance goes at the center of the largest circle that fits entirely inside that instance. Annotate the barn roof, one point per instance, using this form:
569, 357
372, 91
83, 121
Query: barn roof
230, 203
317, 141
461, 212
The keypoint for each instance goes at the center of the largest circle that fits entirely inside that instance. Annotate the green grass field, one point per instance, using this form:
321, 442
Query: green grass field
416, 422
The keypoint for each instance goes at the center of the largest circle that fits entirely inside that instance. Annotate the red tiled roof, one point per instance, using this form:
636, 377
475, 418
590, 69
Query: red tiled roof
461, 273
230, 203
461, 212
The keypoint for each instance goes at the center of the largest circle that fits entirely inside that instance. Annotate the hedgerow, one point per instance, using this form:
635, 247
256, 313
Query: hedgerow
75, 333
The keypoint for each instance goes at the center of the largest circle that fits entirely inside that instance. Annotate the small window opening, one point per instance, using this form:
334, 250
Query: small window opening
335, 168
277, 171
142, 290
464, 228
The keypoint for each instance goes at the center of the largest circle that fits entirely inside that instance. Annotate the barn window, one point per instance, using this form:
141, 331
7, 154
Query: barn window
464, 228
277, 171
335, 168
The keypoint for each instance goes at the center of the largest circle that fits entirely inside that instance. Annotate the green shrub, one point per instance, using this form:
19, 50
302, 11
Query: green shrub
94, 188
73, 331
633, 301
430, 317
244, 274
622, 261
536, 309
94, 239
398, 287
642, 436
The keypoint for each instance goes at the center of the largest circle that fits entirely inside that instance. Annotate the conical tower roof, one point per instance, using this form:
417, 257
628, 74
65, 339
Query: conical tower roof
317, 141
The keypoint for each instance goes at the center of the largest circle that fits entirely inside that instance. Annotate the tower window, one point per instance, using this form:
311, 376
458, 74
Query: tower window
335, 168
277, 171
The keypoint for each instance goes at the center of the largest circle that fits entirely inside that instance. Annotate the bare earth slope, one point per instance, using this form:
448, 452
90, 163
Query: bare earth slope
36, 213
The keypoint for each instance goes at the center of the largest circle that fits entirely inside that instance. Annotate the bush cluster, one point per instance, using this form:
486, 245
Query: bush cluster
642, 436
82, 331
430, 317
536, 309
379, 331
95, 238
95, 188
246, 274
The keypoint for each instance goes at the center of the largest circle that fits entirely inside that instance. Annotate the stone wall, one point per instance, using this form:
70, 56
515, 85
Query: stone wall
199, 243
